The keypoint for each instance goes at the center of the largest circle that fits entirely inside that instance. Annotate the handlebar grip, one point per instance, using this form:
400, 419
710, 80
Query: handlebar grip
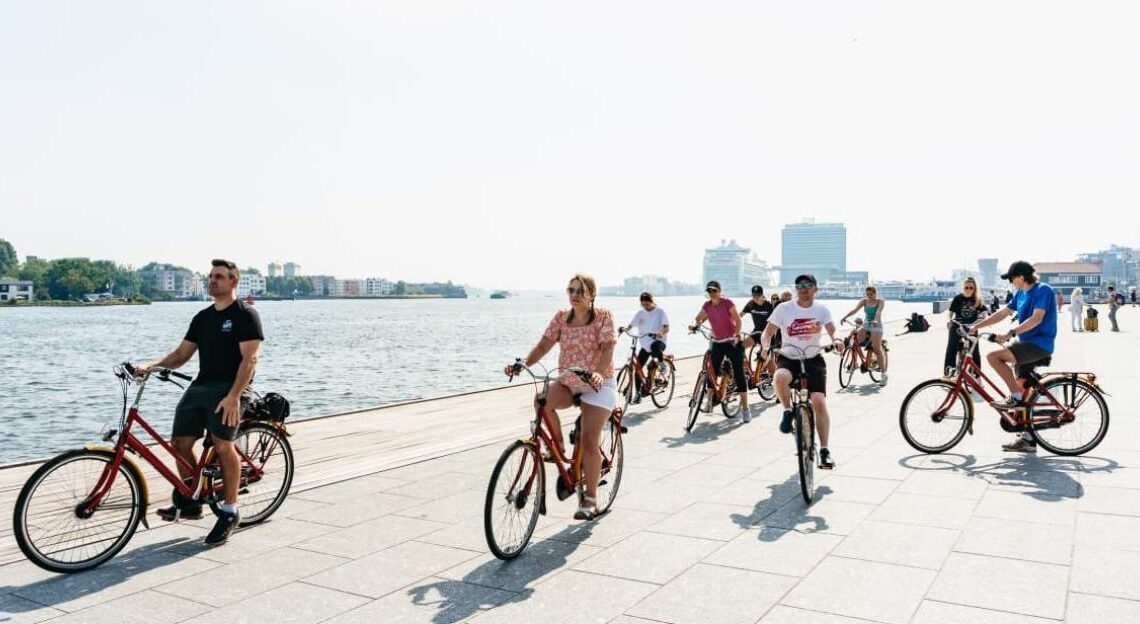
181, 376
129, 368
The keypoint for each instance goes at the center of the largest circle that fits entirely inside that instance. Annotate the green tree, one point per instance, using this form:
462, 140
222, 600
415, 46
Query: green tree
71, 285
9, 263
400, 288
35, 270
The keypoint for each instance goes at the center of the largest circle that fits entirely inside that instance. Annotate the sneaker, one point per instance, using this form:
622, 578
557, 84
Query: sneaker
1020, 445
825, 460
883, 381
223, 527
636, 399
747, 414
1007, 403
190, 512
786, 422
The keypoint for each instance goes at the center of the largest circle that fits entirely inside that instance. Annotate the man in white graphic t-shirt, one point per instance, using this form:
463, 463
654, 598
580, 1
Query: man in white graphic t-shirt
652, 325
802, 322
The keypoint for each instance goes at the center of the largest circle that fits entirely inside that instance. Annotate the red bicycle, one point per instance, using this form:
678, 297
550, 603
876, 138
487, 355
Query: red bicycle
1065, 412
516, 493
718, 387
657, 383
81, 508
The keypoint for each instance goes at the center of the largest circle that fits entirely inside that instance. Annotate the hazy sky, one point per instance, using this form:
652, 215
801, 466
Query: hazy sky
509, 144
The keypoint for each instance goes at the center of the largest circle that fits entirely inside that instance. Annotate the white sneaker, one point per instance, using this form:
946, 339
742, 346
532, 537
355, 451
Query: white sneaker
883, 381
747, 414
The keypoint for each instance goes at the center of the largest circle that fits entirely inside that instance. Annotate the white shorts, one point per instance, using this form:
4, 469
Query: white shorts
604, 397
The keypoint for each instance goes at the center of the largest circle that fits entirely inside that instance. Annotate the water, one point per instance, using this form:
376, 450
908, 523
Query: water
325, 356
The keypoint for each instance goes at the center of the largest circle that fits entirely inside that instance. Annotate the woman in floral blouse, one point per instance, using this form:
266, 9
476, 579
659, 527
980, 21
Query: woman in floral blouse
586, 338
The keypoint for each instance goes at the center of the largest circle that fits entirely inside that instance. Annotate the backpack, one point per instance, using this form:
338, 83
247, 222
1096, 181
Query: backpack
271, 406
1092, 312
917, 323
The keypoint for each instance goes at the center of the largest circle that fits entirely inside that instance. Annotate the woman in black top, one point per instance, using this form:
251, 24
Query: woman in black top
966, 308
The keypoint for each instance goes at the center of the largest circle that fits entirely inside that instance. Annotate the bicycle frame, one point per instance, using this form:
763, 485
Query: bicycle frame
718, 383
634, 365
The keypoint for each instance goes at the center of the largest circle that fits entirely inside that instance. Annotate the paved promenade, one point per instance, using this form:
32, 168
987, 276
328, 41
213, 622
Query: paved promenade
384, 523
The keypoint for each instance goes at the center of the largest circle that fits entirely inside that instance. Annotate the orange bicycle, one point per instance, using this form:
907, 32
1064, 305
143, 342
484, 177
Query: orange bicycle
1065, 412
713, 387
758, 376
516, 493
861, 356
656, 380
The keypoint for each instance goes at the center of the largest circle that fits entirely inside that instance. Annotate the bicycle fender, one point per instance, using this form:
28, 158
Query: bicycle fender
133, 466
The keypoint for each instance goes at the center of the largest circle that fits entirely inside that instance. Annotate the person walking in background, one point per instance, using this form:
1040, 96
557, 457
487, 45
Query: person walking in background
1115, 300
967, 308
1060, 301
995, 303
1076, 309
1133, 295
775, 299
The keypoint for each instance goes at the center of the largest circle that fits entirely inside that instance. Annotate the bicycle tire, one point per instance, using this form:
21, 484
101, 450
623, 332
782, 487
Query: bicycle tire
730, 403
662, 395
625, 386
766, 390
531, 476
876, 371
805, 451
917, 410
846, 368
25, 522
1073, 394
613, 461
695, 401
262, 443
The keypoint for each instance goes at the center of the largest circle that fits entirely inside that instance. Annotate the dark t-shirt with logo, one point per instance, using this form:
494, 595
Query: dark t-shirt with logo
760, 313
965, 309
217, 334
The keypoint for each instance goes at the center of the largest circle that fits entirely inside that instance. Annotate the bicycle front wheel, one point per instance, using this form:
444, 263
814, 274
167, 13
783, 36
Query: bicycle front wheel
697, 400
52, 524
1077, 429
625, 381
514, 499
876, 370
613, 460
266, 472
935, 416
664, 383
730, 403
846, 368
805, 451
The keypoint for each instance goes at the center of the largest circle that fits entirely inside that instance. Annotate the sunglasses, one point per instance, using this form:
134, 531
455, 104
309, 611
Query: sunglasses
712, 290
570, 290
967, 288
805, 286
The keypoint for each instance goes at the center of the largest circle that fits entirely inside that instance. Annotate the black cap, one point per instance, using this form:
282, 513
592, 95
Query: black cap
712, 284
758, 290
806, 277
1021, 267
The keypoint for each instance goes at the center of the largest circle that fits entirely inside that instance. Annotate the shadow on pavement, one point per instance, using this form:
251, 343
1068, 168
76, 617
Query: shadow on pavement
453, 598
63, 588
784, 498
1049, 478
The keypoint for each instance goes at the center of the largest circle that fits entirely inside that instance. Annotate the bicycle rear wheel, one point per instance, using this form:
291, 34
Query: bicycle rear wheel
876, 370
806, 451
1078, 429
846, 368
514, 499
613, 460
266, 472
53, 529
696, 400
935, 416
664, 382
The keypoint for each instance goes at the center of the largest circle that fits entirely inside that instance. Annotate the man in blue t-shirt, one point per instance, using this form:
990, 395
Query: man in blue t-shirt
1036, 308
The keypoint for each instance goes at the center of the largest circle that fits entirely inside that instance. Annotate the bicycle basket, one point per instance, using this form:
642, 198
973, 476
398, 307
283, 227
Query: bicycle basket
272, 407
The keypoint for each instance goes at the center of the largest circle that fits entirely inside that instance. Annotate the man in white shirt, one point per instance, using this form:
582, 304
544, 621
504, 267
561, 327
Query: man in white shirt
802, 322
652, 324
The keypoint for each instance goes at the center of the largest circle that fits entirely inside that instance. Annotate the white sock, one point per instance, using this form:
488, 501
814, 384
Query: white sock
228, 508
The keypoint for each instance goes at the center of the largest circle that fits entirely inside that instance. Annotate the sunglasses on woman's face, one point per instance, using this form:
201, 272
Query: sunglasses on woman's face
967, 288
570, 290
712, 290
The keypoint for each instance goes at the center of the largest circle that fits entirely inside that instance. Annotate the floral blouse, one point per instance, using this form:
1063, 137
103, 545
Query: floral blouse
581, 346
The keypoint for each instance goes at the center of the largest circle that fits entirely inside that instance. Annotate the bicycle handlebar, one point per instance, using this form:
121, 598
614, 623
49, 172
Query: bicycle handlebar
518, 367
163, 374
693, 329
633, 335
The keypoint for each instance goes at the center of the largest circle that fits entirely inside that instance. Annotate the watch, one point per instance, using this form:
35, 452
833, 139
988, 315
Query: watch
1012, 333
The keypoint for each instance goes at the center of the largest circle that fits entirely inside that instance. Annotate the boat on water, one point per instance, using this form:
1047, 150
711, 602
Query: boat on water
500, 294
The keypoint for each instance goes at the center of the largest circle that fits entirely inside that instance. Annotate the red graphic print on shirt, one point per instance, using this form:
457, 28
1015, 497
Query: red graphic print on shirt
803, 327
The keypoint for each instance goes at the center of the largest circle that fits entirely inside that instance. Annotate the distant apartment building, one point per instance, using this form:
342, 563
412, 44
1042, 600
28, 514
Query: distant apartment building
736, 268
377, 287
349, 287
1120, 266
291, 270
645, 283
1064, 277
251, 284
988, 271
274, 269
324, 285
16, 290
177, 282
819, 249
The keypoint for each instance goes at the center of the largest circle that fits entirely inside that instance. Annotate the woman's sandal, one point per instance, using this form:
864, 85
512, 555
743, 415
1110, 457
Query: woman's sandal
587, 509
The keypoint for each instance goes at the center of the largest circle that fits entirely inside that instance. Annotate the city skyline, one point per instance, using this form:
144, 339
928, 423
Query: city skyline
398, 139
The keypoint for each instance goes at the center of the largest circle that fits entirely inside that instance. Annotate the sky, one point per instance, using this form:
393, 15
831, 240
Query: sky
510, 144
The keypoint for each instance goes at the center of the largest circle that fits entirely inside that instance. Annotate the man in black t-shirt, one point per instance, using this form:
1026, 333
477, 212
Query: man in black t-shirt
760, 309
227, 336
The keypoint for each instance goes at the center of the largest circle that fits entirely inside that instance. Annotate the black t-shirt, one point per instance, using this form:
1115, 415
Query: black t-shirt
217, 335
965, 309
760, 313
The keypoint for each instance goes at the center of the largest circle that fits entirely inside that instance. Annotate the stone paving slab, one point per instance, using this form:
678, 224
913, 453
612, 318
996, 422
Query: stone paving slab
707, 527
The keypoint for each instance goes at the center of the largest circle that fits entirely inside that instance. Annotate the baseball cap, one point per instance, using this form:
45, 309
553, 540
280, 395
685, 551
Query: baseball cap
806, 277
1021, 267
712, 284
758, 290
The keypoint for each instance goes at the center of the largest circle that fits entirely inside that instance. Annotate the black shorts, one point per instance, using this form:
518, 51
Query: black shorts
816, 372
1028, 356
196, 414
656, 348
